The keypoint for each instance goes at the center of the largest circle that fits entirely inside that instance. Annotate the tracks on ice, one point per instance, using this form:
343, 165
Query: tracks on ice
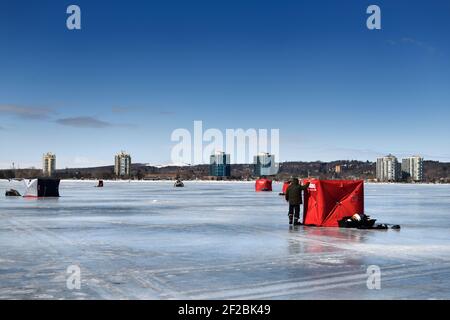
137, 282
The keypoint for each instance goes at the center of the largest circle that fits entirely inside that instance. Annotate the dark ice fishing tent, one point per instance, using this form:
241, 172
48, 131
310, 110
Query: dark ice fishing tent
42, 188
328, 201
263, 185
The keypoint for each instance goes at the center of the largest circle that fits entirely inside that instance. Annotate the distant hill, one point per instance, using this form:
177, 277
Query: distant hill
434, 171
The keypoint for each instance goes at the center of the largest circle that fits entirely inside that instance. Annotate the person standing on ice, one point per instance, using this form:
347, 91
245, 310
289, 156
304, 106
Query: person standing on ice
294, 197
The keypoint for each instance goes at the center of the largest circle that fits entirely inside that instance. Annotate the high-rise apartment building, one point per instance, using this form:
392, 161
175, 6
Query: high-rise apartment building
412, 168
122, 166
48, 164
219, 165
264, 165
388, 169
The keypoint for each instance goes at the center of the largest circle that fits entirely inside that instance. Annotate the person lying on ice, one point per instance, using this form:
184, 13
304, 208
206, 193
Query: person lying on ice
294, 197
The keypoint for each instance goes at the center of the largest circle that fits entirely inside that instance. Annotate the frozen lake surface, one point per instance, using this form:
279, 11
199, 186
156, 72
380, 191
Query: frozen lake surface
148, 240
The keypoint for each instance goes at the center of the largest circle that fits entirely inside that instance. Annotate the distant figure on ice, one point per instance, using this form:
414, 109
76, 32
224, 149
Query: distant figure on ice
294, 197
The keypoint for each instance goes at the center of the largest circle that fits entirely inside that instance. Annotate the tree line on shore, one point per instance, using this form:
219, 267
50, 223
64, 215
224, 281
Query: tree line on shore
434, 171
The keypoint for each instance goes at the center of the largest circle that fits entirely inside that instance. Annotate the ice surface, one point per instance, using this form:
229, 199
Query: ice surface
209, 240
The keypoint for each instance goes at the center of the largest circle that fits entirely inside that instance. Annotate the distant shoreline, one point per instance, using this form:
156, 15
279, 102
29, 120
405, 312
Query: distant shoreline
433, 172
221, 181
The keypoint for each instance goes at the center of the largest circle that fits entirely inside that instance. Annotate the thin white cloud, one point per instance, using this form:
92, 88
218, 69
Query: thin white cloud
419, 44
167, 113
26, 112
413, 42
82, 162
391, 42
83, 122
121, 109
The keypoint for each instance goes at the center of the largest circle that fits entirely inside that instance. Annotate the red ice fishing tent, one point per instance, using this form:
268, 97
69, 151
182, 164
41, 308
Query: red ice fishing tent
263, 185
42, 188
328, 201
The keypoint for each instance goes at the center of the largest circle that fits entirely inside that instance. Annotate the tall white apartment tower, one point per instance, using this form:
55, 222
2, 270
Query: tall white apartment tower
48, 164
412, 167
388, 169
122, 164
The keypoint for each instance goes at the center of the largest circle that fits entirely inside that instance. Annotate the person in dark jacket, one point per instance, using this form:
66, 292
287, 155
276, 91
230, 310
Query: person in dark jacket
294, 197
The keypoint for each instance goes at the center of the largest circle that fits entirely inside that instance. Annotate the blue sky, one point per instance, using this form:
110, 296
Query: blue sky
140, 69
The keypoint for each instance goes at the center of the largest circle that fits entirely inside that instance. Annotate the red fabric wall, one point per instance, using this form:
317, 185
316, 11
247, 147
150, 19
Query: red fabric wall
263, 185
285, 186
328, 201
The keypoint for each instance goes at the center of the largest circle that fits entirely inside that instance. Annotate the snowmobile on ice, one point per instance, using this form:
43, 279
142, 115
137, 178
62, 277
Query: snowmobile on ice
12, 193
178, 184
